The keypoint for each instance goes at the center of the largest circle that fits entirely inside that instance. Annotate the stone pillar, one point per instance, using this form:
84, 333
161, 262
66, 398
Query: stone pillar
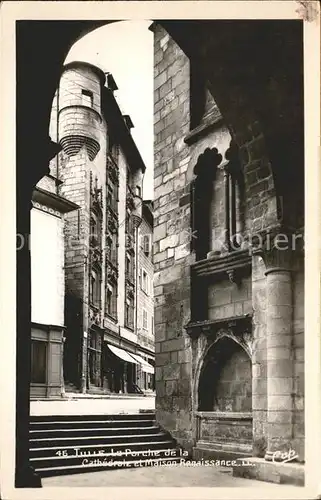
27, 178
279, 331
227, 209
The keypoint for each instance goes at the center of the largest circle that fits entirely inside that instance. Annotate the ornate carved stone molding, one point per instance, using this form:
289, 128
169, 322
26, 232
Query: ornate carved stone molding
241, 337
238, 328
95, 255
277, 248
112, 274
72, 144
136, 220
112, 170
112, 225
130, 290
94, 315
216, 267
130, 199
96, 200
130, 243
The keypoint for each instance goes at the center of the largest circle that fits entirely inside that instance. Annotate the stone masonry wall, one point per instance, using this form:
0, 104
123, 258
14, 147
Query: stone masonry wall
259, 358
225, 300
174, 163
75, 171
145, 300
171, 247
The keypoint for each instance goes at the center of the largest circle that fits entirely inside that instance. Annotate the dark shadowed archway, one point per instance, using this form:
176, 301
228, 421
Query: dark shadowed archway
225, 382
251, 80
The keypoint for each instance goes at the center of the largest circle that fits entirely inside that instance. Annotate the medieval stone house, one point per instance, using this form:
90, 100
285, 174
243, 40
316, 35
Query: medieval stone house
145, 297
101, 170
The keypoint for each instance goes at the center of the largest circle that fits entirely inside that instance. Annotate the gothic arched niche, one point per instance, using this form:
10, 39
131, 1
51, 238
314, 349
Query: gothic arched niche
202, 191
225, 382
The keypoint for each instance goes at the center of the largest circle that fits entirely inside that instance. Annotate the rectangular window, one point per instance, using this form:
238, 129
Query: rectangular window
111, 196
114, 249
94, 232
147, 244
93, 340
144, 281
129, 313
38, 362
94, 290
87, 98
109, 302
145, 320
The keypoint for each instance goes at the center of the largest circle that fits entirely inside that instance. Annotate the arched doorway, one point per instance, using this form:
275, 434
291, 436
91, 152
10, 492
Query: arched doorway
224, 412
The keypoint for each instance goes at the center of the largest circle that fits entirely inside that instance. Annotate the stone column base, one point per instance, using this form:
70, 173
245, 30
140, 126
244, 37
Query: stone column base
272, 472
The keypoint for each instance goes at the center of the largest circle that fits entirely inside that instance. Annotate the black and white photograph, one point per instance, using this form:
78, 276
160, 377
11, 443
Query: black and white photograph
160, 249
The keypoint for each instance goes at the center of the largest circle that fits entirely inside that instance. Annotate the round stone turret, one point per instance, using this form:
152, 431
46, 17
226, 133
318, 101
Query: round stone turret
80, 120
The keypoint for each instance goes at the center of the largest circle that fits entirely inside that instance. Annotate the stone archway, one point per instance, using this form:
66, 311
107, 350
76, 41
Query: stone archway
225, 381
37, 79
223, 399
240, 83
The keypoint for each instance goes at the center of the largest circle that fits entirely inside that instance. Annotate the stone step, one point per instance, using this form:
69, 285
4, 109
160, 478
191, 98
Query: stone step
89, 424
81, 458
53, 451
94, 431
102, 439
68, 444
102, 417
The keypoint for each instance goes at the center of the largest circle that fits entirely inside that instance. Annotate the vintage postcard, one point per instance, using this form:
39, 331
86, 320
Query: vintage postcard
160, 250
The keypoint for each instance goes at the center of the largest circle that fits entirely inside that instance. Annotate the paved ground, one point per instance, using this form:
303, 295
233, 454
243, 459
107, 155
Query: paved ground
92, 406
156, 476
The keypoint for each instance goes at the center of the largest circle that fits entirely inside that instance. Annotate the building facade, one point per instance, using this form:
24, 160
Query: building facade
47, 295
229, 307
101, 170
145, 295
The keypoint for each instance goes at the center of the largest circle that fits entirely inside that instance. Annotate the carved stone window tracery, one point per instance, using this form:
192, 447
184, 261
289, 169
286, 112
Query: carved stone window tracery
95, 242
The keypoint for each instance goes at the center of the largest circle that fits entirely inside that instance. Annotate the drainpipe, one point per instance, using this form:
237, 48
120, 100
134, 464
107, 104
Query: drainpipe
137, 255
136, 278
62, 367
84, 338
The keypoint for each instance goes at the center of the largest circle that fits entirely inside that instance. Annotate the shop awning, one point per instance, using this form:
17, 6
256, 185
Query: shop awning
146, 367
122, 354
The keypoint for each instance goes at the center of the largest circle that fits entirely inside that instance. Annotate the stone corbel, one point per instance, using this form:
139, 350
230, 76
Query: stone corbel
234, 277
194, 329
42, 161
